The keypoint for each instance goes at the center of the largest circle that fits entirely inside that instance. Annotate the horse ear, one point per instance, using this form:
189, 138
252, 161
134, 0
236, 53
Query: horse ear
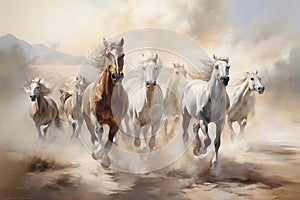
256, 71
61, 90
174, 65
215, 57
39, 80
105, 41
122, 42
156, 57
227, 58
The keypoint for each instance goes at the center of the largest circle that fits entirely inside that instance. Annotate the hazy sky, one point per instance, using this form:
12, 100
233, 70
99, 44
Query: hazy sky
79, 25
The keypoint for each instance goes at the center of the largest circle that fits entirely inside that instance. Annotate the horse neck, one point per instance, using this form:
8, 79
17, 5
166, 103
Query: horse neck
216, 88
38, 104
107, 83
244, 90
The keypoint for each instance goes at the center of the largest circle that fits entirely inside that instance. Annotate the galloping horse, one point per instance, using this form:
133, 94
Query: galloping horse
43, 110
72, 104
242, 100
146, 100
207, 102
105, 102
176, 82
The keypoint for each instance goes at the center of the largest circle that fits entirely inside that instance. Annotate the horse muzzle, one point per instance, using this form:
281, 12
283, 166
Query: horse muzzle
32, 97
225, 80
261, 90
117, 77
150, 85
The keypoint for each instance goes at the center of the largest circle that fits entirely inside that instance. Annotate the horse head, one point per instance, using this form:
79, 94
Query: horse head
151, 65
36, 89
221, 68
115, 59
179, 69
254, 82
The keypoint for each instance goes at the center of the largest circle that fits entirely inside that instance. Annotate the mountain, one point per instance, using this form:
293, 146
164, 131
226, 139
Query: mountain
37, 54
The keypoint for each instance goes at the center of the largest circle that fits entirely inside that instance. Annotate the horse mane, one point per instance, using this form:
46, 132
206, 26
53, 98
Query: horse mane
95, 58
44, 85
242, 78
207, 67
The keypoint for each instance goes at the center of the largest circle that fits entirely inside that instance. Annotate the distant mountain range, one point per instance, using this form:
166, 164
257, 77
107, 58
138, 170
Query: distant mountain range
37, 54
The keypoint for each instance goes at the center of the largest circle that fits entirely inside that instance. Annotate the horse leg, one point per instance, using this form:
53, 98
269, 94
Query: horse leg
231, 131
137, 140
196, 128
38, 127
217, 142
207, 140
73, 124
91, 129
154, 130
96, 153
79, 125
45, 129
243, 124
108, 145
185, 125
166, 122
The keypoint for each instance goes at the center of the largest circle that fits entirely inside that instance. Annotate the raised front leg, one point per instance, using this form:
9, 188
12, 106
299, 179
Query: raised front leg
217, 142
185, 125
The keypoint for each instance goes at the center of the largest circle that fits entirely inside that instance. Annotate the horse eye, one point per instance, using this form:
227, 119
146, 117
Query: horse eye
216, 66
252, 79
228, 67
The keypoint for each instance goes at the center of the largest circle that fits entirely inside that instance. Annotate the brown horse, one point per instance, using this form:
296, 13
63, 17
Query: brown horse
105, 102
43, 110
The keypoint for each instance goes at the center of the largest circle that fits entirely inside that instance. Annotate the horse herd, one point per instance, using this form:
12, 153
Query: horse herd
135, 103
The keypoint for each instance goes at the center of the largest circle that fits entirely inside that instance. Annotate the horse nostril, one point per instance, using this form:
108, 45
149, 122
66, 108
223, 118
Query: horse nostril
114, 76
154, 83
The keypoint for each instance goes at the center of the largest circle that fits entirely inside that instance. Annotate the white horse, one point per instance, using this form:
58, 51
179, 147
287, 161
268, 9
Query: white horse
145, 100
72, 105
242, 100
174, 88
43, 110
207, 102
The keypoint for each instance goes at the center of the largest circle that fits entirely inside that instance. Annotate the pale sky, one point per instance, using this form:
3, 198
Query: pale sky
79, 25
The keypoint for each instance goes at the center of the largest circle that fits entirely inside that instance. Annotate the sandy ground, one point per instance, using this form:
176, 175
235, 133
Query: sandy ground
264, 164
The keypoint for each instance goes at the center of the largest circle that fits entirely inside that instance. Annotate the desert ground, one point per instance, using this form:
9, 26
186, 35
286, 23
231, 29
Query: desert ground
264, 164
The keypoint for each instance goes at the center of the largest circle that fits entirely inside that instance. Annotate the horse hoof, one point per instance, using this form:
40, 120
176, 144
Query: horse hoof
137, 142
96, 155
105, 161
196, 151
203, 150
207, 142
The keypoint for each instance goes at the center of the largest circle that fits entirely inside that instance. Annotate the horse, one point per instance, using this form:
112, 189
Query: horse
105, 102
146, 100
207, 101
72, 105
242, 100
64, 95
43, 110
176, 81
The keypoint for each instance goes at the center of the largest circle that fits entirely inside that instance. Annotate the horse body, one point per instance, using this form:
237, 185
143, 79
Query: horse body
242, 100
43, 110
146, 101
207, 102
